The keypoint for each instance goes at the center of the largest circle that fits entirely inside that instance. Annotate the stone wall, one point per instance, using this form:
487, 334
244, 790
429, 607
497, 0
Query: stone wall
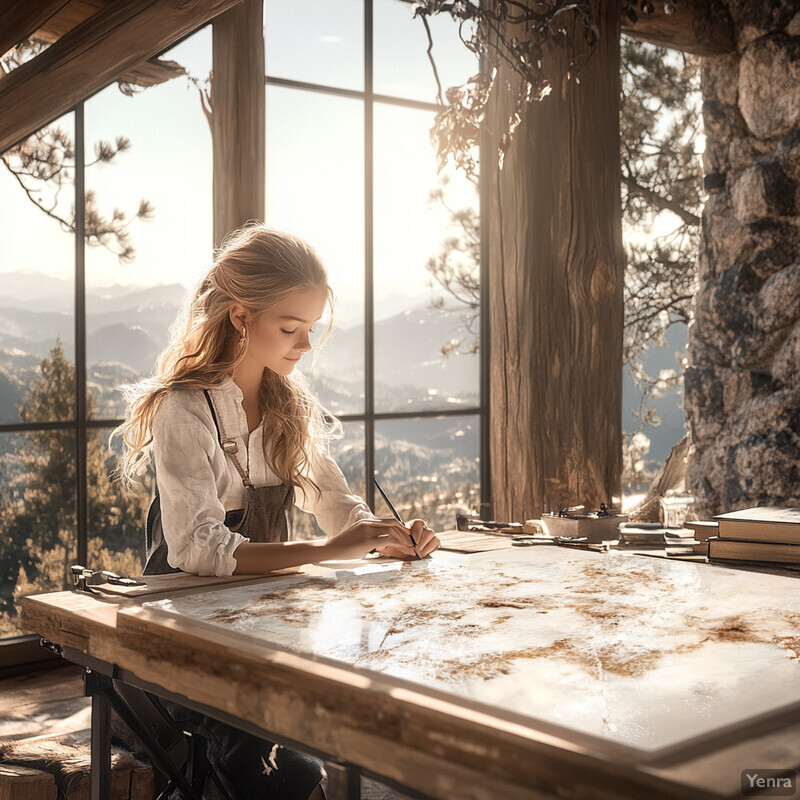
742, 386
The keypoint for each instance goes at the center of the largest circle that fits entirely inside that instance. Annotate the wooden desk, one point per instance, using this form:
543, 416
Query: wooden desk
434, 743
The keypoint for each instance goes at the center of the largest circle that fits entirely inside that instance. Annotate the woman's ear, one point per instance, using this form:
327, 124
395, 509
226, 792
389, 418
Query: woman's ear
238, 316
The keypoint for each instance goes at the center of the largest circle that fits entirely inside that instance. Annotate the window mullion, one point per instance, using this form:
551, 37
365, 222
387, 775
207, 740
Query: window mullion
369, 307
80, 339
486, 511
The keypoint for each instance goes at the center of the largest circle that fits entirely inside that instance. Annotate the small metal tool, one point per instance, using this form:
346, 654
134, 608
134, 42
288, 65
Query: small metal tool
84, 578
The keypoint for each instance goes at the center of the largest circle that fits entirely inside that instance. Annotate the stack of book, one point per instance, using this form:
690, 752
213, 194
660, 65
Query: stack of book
766, 535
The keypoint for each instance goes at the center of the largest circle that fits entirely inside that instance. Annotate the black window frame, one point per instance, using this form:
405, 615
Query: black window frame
81, 426
370, 416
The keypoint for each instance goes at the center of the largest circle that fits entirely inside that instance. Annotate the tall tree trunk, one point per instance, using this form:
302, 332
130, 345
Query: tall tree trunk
555, 288
237, 117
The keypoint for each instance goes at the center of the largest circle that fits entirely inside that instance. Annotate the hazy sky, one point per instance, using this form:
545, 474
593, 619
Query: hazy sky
315, 168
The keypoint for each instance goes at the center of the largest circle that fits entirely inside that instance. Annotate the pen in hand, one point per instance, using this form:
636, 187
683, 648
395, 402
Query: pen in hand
396, 515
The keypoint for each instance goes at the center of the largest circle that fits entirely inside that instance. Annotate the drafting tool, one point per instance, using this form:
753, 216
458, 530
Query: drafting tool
396, 515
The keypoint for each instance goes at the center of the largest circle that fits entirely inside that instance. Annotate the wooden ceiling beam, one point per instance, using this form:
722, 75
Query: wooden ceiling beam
692, 28
70, 16
100, 50
148, 73
19, 19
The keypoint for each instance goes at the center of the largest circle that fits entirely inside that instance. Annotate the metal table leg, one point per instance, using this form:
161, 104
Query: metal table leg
95, 685
344, 781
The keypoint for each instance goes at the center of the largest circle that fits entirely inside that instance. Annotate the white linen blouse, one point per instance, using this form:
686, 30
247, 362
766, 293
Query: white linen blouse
198, 483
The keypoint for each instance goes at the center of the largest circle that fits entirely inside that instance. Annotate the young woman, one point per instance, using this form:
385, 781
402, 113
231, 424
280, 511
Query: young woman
237, 441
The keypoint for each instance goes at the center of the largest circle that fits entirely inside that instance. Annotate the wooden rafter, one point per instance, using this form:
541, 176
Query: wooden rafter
19, 19
55, 19
69, 17
148, 73
98, 51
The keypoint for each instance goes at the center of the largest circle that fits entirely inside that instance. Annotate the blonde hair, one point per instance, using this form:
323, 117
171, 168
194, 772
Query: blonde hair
256, 267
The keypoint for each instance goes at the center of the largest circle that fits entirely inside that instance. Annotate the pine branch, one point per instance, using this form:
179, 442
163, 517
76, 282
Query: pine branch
660, 202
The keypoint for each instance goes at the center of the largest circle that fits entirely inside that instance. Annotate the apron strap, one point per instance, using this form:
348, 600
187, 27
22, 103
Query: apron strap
228, 446
213, 415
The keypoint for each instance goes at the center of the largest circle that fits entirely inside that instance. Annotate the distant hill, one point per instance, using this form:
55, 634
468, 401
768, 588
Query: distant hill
669, 407
127, 326
167, 296
154, 320
36, 291
21, 324
349, 312
125, 344
410, 371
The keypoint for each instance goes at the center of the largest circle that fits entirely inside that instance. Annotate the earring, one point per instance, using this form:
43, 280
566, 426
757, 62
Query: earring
242, 342
242, 346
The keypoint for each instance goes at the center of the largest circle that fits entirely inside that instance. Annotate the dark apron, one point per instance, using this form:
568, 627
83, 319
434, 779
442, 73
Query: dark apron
266, 516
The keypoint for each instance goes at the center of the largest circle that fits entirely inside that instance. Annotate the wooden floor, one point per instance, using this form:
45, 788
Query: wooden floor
44, 742
44, 717
43, 703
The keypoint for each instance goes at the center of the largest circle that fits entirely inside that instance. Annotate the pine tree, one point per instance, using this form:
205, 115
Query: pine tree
662, 174
38, 541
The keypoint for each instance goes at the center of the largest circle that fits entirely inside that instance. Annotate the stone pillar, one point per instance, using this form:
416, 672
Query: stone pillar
743, 384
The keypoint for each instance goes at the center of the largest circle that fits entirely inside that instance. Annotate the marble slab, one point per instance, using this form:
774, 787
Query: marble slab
644, 654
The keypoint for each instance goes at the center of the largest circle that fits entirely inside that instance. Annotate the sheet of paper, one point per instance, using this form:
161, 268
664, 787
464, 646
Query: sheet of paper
178, 581
645, 653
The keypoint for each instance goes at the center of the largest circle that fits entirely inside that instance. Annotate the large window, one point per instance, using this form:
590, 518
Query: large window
351, 168
82, 314
88, 299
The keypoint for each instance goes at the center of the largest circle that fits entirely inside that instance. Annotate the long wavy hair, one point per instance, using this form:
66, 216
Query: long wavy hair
257, 267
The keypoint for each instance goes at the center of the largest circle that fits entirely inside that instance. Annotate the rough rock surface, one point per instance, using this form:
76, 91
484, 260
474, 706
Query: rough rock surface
769, 86
742, 389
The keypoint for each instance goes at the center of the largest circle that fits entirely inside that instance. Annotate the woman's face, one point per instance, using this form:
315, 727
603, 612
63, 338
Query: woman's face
279, 336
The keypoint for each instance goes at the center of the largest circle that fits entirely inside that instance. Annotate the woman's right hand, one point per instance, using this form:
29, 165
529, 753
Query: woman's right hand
362, 537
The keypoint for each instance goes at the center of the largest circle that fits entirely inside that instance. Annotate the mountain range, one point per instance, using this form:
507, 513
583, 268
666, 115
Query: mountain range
127, 326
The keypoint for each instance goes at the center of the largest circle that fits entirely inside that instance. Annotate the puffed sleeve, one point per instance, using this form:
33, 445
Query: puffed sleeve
192, 514
335, 508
